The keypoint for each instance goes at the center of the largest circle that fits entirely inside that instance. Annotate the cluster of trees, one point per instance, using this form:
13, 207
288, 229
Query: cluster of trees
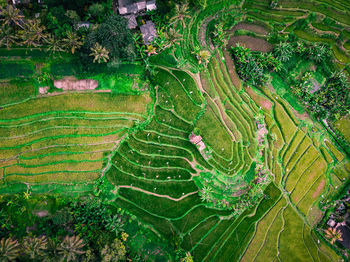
89, 228
83, 229
331, 100
30, 248
252, 67
54, 30
227, 196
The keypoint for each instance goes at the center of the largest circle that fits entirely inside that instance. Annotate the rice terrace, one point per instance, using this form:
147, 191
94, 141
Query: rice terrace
175, 130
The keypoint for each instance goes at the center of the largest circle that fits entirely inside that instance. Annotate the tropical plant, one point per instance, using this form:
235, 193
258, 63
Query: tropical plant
113, 35
7, 36
203, 56
181, 12
333, 235
51, 253
114, 252
114, 224
219, 36
71, 248
72, 42
96, 10
173, 38
72, 15
9, 249
33, 34
11, 16
151, 50
54, 44
35, 247
99, 53
319, 52
206, 193
283, 51
187, 258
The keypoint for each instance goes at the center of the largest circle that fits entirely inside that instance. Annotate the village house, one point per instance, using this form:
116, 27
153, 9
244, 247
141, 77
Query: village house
149, 32
130, 9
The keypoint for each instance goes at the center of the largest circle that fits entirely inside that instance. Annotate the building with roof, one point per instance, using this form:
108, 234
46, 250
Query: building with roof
132, 6
130, 9
149, 32
132, 23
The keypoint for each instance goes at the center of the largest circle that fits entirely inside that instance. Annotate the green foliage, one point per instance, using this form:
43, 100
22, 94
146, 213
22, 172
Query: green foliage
115, 251
9, 249
251, 66
34, 247
71, 248
283, 51
196, 131
115, 37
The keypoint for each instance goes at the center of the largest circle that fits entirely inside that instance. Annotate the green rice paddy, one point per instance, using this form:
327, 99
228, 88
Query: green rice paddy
141, 144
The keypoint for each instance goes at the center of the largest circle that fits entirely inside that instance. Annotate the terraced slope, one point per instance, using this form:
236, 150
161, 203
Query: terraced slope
64, 138
157, 170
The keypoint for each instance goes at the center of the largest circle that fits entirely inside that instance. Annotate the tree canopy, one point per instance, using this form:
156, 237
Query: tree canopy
115, 37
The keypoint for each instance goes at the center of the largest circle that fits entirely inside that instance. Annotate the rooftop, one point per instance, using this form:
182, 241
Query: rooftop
149, 32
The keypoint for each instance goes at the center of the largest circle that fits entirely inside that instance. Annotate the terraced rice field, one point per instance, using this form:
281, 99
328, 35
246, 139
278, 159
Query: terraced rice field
141, 145
156, 170
64, 138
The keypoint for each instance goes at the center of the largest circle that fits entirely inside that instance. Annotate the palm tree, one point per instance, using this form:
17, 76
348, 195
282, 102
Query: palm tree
318, 53
173, 38
205, 193
333, 234
35, 247
70, 248
33, 34
11, 16
9, 249
54, 44
203, 57
181, 12
283, 51
7, 36
51, 252
99, 53
72, 42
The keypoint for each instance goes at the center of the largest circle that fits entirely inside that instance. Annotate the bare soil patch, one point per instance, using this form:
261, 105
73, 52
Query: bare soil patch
250, 27
253, 43
71, 83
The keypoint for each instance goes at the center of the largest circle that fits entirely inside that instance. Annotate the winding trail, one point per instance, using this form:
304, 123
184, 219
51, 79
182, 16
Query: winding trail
158, 195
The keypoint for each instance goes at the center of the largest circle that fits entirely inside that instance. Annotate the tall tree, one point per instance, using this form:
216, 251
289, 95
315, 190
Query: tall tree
173, 37
54, 44
71, 248
283, 51
115, 37
33, 34
7, 36
72, 42
181, 12
333, 235
35, 247
11, 16
9, 249
99, 53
